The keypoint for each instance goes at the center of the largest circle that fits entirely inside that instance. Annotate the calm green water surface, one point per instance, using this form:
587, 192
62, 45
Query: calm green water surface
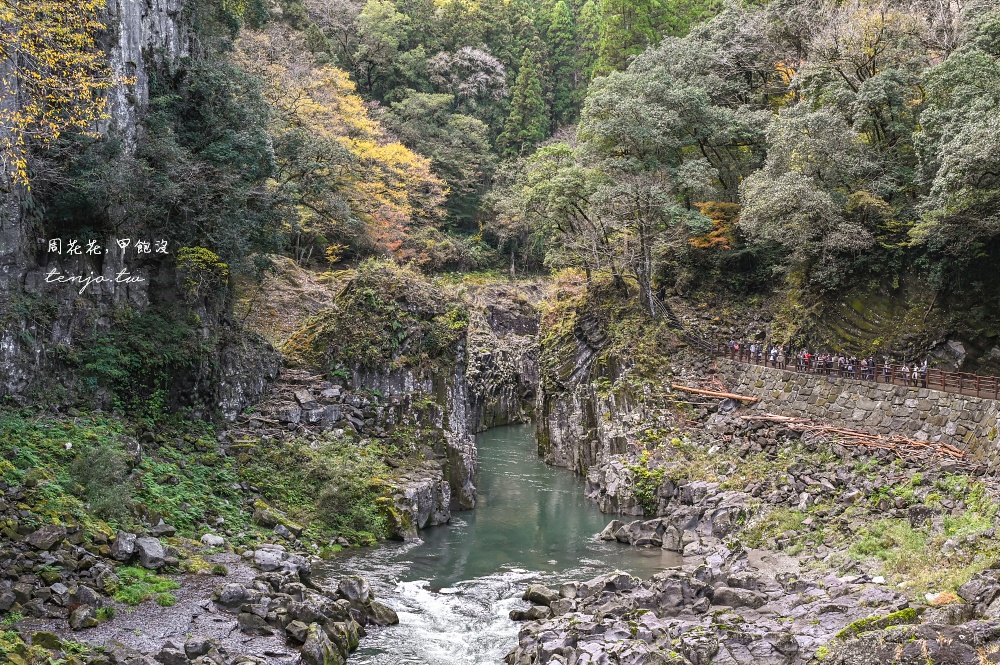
454, 588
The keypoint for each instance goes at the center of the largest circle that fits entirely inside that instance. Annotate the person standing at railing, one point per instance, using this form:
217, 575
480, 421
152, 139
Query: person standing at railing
781, 357
923, 374
886, 370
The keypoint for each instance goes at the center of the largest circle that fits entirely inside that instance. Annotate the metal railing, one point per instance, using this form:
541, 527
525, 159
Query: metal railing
962, 383
898, 374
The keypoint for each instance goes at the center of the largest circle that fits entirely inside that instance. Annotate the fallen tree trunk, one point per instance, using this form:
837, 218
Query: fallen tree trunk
713, 393
851, 437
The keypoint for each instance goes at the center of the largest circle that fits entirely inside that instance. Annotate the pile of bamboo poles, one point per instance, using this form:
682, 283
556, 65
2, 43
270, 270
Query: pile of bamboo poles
851, 438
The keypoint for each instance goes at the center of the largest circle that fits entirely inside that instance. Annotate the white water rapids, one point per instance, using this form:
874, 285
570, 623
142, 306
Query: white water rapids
453, 590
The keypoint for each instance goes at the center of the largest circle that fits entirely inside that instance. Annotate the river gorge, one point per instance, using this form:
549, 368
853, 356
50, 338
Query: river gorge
454, 587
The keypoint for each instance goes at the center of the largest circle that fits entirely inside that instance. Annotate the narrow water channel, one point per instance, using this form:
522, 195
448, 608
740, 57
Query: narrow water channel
454, 588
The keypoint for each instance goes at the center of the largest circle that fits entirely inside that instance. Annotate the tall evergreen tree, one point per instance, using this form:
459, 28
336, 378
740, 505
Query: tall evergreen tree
528, 121
589, 32
627, 28
565, 76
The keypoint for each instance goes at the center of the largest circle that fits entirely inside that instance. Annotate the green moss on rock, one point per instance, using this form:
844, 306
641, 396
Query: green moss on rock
909, 615
385, 316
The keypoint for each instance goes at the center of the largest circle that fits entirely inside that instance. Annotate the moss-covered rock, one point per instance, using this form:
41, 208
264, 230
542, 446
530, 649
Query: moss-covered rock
385, 317
905, 616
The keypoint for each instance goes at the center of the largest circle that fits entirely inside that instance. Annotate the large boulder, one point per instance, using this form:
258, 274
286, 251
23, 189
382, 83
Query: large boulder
230, 596
268, 560
47, 537
212, 540
319, 649
169, 656
611, 529
738, 598
84, 595
355, 589
983, 593
151, 552
297, 631
124, 546
535, 613
251, 624
163, 529
271, 558
46, 640
540, 595
699, 646
381, 615
196, 645
83, 617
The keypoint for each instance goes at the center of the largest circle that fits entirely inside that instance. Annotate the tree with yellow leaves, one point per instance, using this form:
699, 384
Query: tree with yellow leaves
53, 76
345, 180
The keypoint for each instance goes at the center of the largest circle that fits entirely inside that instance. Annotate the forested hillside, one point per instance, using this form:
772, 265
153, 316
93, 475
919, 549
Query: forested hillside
803, 151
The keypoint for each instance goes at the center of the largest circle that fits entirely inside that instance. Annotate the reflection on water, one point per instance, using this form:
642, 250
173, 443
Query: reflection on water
454, 588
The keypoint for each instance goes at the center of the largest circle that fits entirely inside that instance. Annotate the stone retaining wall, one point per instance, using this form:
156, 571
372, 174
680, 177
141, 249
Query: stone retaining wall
970, 423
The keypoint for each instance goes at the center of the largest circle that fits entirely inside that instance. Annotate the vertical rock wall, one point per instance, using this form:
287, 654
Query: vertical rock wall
489, 382
143, 33
37, 318
442, 396
584, 409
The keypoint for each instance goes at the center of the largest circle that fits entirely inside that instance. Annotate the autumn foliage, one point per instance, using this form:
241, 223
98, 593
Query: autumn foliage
53, 75
346, 180
724, 218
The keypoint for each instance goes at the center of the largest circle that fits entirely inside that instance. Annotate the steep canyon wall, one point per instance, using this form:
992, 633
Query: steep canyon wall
43, 323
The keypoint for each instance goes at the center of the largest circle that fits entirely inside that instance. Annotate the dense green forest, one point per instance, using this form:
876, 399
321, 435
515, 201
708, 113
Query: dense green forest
799, 147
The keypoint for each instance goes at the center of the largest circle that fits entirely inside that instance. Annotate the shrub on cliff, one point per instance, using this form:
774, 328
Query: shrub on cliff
386, 316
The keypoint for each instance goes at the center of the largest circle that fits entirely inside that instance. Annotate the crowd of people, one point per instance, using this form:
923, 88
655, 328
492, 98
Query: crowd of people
831, 364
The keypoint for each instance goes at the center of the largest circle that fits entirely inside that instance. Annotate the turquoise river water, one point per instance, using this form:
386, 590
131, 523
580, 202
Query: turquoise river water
454, 588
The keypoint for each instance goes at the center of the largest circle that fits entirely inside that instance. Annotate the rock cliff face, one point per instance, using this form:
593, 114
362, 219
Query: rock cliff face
41, 319
390, 370
489, 383
589, 405
143, 33
502, 363
444, 399
574, 424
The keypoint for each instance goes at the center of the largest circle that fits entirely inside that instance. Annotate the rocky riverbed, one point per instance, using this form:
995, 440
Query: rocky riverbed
731, 611
797, 550
267, 609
